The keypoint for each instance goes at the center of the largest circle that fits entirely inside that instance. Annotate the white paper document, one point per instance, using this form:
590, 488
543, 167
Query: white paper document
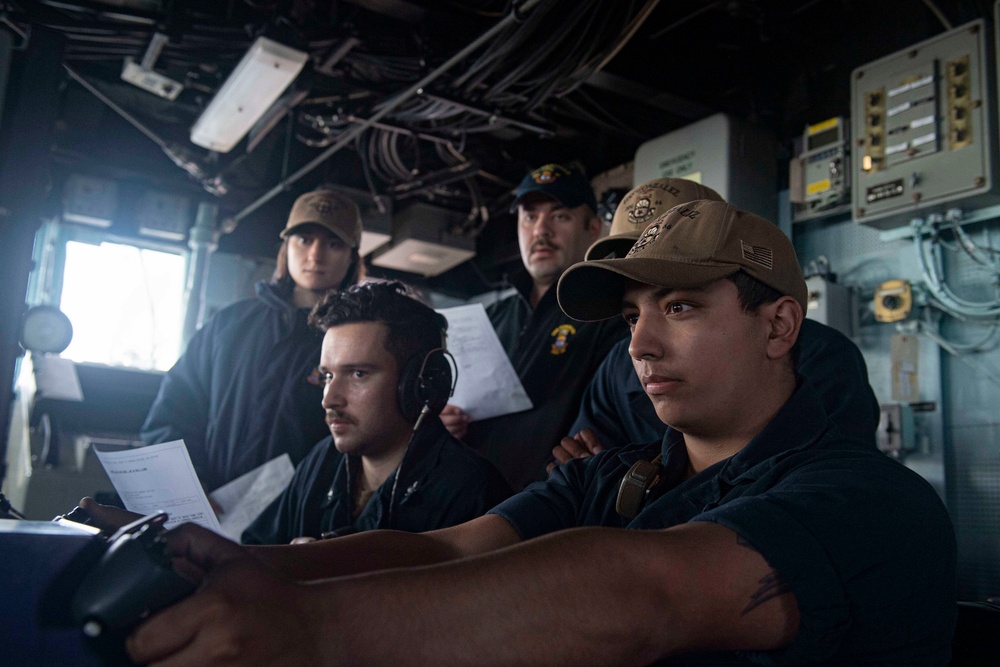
242, 499
160, 477
56, 377
487, 384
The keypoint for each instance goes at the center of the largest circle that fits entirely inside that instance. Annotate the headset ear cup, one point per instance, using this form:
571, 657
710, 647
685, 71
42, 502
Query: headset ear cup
425, 380
435, 382
408, 391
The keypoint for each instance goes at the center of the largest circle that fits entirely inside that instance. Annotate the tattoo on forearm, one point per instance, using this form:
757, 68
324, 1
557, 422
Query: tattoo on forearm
771, 585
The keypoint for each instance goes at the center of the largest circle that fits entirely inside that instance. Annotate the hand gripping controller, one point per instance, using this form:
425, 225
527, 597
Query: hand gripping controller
132, 580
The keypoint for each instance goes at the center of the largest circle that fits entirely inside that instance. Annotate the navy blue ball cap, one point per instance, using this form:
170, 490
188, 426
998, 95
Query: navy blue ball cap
567, 185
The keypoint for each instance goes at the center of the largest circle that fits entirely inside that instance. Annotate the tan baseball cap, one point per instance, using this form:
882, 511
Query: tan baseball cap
691, 244
638, 208
330, 210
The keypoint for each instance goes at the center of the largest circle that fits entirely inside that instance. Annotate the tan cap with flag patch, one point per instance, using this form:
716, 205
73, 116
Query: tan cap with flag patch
691, 244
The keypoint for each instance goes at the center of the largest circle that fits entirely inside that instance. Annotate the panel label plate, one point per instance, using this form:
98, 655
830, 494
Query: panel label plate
884, 191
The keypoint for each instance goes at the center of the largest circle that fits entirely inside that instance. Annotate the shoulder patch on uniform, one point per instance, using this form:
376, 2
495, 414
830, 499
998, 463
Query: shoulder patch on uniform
315, 378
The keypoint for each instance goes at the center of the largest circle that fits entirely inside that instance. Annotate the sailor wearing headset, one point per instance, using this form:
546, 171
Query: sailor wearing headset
388, 462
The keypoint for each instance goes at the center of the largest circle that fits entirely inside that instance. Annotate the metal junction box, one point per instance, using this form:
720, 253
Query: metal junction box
831, 304
736, 159
924, 129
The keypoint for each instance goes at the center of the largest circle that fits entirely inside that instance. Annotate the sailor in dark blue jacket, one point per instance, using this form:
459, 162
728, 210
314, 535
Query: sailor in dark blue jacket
247, 389
615, 409
554, 356
389, 462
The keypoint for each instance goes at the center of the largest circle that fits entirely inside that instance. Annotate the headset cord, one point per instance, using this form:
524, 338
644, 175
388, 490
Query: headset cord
395, 480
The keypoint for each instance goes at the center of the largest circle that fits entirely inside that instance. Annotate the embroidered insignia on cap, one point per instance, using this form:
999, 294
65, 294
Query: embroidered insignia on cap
757, 254
315, 378
321, 206
642, 212
648, 236
548, 174
561, 334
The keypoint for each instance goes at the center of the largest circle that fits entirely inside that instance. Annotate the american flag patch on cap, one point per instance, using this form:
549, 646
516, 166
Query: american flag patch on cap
757, 254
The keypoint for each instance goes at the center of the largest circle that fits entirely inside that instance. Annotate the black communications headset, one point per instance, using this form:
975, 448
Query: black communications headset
426, 383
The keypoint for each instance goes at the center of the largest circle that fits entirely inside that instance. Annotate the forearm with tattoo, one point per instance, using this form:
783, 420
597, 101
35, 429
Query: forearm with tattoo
771, 584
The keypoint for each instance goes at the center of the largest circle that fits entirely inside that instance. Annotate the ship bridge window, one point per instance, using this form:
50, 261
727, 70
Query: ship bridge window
125, 303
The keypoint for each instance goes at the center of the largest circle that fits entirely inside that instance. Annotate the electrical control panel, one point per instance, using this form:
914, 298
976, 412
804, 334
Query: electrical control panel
821, 172
923, 128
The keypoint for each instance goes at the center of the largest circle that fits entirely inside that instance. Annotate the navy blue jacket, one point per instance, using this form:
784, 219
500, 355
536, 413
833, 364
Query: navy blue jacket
442, 483
555, 357
864, 543
616, 407
246, 390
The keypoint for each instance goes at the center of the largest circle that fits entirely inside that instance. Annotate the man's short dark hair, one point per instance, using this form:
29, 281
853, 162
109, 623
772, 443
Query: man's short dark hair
752, 294
414, 328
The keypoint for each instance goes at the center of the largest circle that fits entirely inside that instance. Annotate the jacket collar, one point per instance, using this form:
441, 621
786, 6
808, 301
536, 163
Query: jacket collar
799, 424
417, 464
275, 295
523, 283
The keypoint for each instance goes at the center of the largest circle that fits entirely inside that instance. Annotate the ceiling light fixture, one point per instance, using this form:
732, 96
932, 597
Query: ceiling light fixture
422, 244
261, 76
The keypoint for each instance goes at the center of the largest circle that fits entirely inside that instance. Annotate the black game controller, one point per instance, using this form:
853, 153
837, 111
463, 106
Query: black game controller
132, 580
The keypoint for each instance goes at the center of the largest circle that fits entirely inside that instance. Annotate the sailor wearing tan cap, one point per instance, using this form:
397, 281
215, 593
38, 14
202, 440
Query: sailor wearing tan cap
615, 410
247, 388
754, 533
320, 247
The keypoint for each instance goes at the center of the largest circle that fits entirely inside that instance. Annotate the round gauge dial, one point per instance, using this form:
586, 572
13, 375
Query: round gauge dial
46, 329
